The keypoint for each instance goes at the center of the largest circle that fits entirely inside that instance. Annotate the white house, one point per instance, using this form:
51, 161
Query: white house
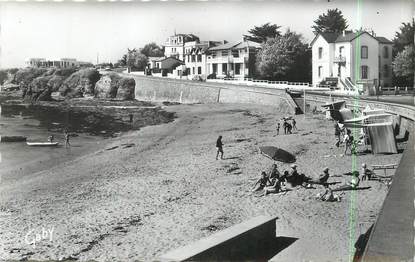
351, 59
195, 56
174, 45
232, 59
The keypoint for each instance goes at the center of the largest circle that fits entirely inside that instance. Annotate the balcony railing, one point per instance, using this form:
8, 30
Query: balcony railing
339, 59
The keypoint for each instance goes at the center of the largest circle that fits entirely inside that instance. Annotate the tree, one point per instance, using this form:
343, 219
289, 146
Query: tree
123, 60
284, 58
152, 49
404, 37
136, 60
403, 46
260, 34
404, 65
332, 22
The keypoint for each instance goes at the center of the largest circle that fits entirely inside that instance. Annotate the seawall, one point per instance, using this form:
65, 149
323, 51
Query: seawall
187, 91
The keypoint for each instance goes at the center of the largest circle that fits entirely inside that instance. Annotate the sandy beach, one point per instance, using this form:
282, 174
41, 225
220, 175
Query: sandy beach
159, 188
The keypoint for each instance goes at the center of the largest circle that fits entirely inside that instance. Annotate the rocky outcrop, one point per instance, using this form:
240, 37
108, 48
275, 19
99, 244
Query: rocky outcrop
38, 84
107, 86
80, 83
114, 86
126, 89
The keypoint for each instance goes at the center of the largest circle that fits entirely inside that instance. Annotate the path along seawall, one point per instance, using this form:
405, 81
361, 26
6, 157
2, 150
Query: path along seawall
392, 236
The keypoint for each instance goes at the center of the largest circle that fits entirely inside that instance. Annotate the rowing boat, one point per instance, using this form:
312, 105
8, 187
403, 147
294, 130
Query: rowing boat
42, 143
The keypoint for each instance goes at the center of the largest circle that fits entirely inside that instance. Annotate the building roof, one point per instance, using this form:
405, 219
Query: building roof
383, 40
224, 46
248, 43
237, 45
348, 37
156, 58
170, 63
329, 37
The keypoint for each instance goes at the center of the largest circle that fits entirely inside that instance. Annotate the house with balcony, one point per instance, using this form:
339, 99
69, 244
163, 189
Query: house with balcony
351, 60
235, 60
175, 45
195, 57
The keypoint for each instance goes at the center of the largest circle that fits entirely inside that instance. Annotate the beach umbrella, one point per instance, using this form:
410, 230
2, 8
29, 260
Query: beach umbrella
277, 154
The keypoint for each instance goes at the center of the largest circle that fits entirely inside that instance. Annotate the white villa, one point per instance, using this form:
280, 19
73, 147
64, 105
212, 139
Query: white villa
174, 45
351, 59
233, 59
195, 56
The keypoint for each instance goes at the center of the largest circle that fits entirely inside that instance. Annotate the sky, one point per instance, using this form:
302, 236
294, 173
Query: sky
104, 30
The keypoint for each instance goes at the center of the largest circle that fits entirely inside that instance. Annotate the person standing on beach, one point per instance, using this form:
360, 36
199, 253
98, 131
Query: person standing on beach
278, 128
294, 124
337, 132
219, 146
67, 138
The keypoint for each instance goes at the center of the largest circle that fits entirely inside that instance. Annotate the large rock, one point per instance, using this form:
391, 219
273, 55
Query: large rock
114, 86
126, 89
39, 89
80, 83
107, 86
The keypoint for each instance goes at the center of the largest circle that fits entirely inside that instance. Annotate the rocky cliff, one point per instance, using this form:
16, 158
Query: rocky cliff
37, 84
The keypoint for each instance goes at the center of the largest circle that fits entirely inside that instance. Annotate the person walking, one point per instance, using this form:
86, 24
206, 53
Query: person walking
219, 146
294, 124
67, 144
285, 126
278, 128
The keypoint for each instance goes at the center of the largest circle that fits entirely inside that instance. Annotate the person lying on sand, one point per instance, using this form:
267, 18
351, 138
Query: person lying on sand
352, 184
321, 180
367, 174
328, 196
261, 183
294, 178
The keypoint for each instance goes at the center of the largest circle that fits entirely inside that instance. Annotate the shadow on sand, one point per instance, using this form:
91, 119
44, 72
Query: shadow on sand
269, 250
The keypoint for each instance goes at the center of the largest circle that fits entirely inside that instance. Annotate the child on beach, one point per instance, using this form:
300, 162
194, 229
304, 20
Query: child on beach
219, 146
66, 134
261, 183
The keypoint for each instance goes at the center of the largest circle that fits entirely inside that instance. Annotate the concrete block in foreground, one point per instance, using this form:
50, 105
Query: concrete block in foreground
234, 243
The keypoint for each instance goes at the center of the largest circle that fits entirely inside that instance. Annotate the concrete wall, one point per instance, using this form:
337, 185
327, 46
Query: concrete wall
186, 91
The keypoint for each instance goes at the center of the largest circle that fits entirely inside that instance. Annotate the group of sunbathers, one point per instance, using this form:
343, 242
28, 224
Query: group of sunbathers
272, 181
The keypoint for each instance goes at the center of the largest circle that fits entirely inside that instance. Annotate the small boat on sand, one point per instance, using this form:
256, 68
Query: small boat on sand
42, 143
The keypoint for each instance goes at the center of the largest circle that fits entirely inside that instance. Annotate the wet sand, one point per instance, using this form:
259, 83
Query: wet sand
160, 188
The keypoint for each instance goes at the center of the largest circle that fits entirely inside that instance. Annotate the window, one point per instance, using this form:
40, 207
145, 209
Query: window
215, 68
188, 58
385, 71
320, 71
193, 58
320, 52
235, 53
238, 69
199, 58
364, 72
385, 52
224, 69
199, 70
364, 52
341, 51
225, 53
193, 70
